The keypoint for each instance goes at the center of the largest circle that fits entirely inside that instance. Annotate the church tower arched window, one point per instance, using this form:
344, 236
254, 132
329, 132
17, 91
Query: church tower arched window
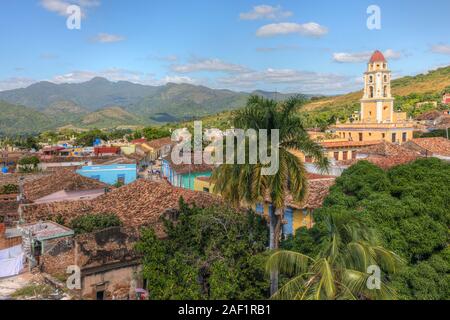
371, 91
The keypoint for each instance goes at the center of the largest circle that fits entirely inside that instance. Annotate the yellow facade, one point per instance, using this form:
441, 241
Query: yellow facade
203, 186
301, 218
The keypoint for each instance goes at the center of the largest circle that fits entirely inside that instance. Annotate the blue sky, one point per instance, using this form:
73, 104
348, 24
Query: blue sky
304, 46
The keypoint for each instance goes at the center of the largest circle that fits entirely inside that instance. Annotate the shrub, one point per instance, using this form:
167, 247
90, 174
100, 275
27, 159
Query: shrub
90, 223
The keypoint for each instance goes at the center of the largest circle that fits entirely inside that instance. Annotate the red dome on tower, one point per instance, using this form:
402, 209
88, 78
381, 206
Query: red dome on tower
377, 56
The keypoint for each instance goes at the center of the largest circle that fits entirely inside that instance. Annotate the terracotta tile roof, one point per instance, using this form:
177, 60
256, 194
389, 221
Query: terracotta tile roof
185, 168
59, 180
318, 190
388, 149
13, 178
138, 204
143, 202
438, 146
349, 144
384, 155
389, 162
430, 115
159, 143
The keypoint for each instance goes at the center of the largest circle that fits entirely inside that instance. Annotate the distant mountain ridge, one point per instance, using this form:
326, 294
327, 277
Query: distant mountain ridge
105, 104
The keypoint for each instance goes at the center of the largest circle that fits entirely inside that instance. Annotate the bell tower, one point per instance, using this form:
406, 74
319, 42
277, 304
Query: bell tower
377, 104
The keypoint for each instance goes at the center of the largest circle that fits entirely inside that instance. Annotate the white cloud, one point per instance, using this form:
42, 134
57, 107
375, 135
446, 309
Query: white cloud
310, 29
15, 83
60, 6
265, 12
179, 79
358, 57
441, 48
298, 80
279, 48
215, 65
112, 74
107, 38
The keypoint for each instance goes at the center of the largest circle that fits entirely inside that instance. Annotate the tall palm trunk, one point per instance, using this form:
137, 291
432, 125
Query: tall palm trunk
276, 217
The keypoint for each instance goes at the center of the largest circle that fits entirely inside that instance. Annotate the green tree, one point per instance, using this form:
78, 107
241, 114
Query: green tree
87, 139
29, 163
245, 183
209, 253
339, 269
152, 133
408, 207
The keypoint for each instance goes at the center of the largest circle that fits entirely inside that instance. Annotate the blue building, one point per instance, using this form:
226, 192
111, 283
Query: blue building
183, 175
111, 174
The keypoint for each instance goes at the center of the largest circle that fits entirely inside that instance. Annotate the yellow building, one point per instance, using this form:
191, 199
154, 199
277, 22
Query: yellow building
377, 119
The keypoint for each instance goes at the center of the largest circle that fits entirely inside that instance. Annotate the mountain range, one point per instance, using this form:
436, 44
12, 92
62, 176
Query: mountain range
101, 103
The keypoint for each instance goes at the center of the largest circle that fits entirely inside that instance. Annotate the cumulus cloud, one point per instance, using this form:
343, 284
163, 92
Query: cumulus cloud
358, 57
441, 48
310, 29
298, 80
265, 12
107, 38
212, 65
60, 6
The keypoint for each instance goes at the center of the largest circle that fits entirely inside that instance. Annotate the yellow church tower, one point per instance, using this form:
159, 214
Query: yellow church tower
377, 119
377, 104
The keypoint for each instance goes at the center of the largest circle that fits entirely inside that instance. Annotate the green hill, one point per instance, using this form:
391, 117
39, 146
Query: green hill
408, 91
22, 120
109, 117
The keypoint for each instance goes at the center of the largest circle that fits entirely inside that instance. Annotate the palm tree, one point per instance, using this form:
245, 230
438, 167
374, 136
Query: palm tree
340, 269
240, 183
